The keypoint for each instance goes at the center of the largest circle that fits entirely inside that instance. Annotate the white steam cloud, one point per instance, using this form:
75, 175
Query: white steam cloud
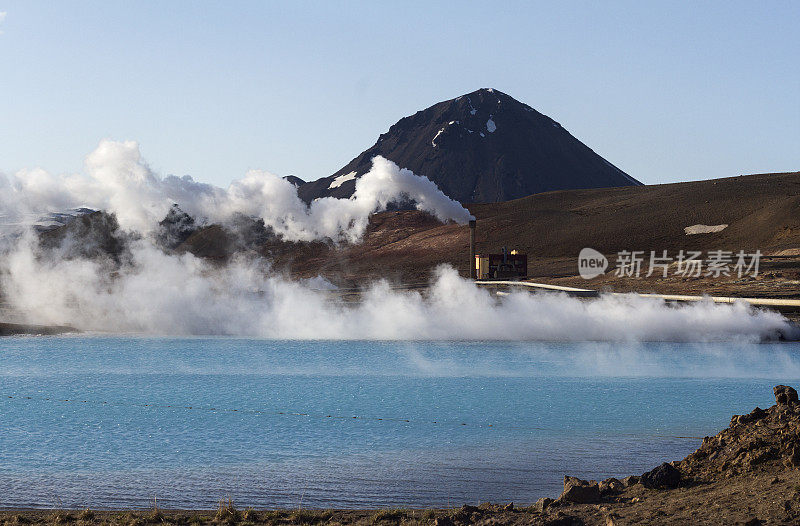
152, 292
118, 180
164, 294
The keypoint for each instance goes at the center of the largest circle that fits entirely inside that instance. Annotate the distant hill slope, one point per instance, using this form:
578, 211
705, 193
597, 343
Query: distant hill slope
760, 211
481, 147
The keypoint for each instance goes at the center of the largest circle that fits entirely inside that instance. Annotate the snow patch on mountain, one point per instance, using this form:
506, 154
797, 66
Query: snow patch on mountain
704, 229
433, 141
472, 110
13, 224
339, 181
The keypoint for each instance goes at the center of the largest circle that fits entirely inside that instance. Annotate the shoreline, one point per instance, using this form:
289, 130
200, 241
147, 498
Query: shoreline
23, 329
746, 474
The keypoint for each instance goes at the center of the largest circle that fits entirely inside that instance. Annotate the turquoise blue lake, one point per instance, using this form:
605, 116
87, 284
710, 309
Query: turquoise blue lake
118, 422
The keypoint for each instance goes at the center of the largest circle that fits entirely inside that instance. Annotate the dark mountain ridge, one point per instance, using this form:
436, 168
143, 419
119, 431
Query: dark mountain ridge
481, 147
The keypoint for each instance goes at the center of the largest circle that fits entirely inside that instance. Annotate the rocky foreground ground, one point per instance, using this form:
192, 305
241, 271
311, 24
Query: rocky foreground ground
747, 474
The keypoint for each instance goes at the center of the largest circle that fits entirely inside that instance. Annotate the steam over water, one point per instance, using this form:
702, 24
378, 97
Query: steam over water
115, 422
181, 295
467, 398
159, 293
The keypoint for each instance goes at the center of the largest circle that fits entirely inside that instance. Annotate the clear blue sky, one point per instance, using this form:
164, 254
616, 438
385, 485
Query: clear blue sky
667, 91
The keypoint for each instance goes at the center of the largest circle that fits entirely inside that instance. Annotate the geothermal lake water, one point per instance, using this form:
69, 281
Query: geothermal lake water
116, 422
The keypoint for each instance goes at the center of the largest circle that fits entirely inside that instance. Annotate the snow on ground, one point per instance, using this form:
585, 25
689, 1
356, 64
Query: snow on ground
703, 229
339, 181
490, 126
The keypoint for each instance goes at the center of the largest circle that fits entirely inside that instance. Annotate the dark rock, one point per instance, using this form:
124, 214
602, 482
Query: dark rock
239, 234
785, 395
94, 235
767, 439
630, 481
610, 486
509, 507
760, 456
754, 415
563, 520
247, 232
579, 491
542, 504
296, 181
443, 521
175, 228
664, 476
793, 458
467, 514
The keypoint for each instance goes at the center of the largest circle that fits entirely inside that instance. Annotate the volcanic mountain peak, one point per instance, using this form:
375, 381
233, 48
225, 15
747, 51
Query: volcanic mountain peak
478, 116
474, 113
484, 146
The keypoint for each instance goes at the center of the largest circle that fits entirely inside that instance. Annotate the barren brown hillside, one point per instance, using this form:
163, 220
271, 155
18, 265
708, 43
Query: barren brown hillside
762, 211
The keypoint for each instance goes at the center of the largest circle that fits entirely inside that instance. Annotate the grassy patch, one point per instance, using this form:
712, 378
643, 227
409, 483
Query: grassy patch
392, 515
61, 517
309, 516
250, 515
227, 513
155, 517
86, 515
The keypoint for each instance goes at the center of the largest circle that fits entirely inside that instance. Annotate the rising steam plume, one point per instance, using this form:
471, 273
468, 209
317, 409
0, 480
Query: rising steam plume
160, 293
119, 181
